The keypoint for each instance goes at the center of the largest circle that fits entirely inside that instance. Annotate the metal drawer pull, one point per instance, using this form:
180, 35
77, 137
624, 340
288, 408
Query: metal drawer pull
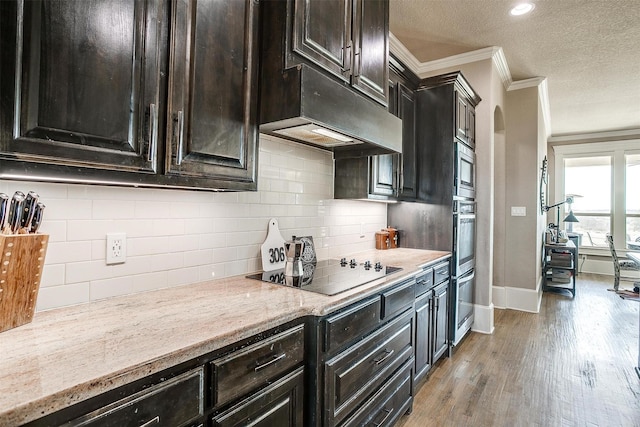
388, 353
153, 132
270, 362
180, 119
388, 411
156, 420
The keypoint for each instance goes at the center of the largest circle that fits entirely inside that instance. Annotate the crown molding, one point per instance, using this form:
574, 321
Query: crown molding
500, 61
495, 53
402, 53
426, 69
543, 95
597, 136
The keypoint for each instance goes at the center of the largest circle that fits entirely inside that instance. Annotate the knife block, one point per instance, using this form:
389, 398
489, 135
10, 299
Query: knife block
21, 263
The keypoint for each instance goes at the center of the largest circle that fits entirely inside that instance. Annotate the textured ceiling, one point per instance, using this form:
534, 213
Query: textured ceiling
589, 51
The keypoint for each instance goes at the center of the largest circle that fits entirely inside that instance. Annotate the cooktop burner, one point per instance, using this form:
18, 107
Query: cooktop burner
329, 277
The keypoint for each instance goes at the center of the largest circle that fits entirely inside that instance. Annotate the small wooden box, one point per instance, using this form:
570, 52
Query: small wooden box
21, 263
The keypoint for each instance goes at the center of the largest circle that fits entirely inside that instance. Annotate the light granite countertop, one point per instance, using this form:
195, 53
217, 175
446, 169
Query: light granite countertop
71, 354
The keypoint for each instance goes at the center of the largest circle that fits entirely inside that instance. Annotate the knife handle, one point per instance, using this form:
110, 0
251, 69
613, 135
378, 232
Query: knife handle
16, 210
4, 207
30, 203
37, 217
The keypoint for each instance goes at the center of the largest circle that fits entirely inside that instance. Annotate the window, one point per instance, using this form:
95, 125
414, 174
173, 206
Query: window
603, 180
632, 178
588, 181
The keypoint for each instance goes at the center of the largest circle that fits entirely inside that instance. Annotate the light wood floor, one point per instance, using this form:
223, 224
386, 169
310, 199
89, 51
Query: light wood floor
570, 365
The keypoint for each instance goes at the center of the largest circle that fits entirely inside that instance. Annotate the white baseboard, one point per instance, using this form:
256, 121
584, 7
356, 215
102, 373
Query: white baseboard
528, 300
483, 319
604, 267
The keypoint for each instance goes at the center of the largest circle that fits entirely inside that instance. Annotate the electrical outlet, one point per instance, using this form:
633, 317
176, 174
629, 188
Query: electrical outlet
116, 248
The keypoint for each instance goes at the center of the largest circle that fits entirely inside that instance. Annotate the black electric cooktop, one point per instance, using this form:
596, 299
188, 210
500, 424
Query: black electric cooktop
329, 277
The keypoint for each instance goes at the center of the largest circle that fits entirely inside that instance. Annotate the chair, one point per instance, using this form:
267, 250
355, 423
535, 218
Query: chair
618, 265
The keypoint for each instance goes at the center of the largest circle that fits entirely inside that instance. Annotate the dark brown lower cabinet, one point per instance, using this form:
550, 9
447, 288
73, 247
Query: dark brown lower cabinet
280, 404
424, 314
392, 401
364, 361
176, 402
431, 318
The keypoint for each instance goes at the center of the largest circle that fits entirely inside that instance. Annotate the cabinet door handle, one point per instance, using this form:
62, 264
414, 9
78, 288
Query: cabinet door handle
346, 54
388, 411
155, 420
401, 175
387, 354
273, 360
180, 126
153, 131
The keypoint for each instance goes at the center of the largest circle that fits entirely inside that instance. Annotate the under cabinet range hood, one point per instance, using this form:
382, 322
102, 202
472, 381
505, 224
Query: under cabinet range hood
317, 77
310, 107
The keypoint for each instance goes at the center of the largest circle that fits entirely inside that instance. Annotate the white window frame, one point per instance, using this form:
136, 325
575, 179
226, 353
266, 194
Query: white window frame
617, 151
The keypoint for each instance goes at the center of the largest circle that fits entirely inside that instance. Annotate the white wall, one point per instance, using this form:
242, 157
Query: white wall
177, 237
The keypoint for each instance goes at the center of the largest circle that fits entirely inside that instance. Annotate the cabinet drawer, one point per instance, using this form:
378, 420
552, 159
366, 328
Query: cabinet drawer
398, 299
354, 374
388, 404
242, 371
279, 404
172, 403
424, 281
441, 273
353, 323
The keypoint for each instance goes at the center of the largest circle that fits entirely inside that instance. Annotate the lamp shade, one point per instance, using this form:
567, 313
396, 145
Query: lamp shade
571, 217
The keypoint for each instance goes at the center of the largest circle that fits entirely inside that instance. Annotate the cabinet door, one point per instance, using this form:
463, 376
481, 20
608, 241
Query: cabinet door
322, 34
424, 311
440, 318
383, 175
86, 81
371, 48
212, 117
407, 112
461, 117
471, 127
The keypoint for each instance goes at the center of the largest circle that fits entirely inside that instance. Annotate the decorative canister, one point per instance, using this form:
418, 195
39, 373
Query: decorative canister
393, 237
382, 240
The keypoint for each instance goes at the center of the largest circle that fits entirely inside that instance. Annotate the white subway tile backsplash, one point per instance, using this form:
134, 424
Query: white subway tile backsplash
194, 258
60, 296
61, 252
52, 275
183, 276
178, 237
147, 246
57, 230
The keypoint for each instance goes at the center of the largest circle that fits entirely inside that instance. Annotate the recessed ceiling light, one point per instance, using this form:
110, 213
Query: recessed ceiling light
522, 9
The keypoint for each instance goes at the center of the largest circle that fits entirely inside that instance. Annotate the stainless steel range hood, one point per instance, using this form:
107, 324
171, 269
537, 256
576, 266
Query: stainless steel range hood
310, 107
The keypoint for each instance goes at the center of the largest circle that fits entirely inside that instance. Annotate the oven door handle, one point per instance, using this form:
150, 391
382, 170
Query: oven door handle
468, 278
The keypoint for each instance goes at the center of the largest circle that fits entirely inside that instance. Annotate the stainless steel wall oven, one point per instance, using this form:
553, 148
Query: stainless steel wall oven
464, 255
465, 173
464, 235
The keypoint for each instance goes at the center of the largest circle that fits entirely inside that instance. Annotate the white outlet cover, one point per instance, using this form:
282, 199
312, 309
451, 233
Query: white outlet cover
116, 248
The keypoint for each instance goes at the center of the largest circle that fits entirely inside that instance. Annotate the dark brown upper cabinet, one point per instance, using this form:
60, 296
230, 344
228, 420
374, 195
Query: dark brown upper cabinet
348, 38
146, 93
212, 111
408, 186
388, 176
85, 83
465, 120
